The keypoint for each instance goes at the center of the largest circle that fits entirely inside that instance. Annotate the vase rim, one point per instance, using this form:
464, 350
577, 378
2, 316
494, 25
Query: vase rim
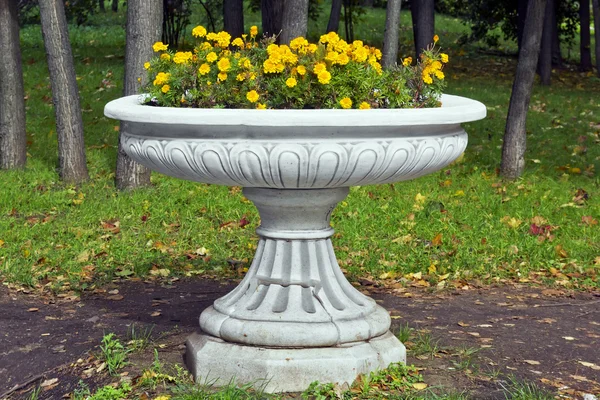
454, 110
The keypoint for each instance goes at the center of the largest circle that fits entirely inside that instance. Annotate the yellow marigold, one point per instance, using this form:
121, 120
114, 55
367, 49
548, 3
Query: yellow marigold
204, 69
165, 88
222, 76
319, 67
240, 77
360, 54
332, 57
158, 46
165, 57
436, 65
291, 82
357, 44
376, 66
238, 42
181, 57
346, 102
298, 43
161, 78
301, 70
271, 67
261, 106
407, 61
205, 46
426, 75
272, 49
253, 31
211, 36
223, 39
224, 64
343, 59
164, 397
245, 62
364, 106
211, 57
439, 74
435, 38
199, 31
377, 53
146, 65
312, 48
324, 77
444, 57
252, 96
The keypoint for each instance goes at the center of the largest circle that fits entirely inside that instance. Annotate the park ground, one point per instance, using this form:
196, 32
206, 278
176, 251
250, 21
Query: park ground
493, 285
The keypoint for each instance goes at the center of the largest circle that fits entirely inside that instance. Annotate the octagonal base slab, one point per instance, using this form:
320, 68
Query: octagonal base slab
276, 370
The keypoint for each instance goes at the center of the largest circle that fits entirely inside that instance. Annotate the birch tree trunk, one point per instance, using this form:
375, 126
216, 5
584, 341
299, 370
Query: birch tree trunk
233, 17
585, 51
144, 26
390, 37
596, 9
13, 140
65, 95
334, 16
422, 12
513, 148
294, 21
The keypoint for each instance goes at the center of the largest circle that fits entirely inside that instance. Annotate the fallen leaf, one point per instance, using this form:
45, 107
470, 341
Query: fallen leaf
590, 365
531, 362
33, 309
437, 240
568, 337
476, 334
419, 385
49, 382
155, 314
588, 220
115, 297
460, 323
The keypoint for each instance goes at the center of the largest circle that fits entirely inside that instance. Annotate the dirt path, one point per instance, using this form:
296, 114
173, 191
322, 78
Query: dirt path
467, 339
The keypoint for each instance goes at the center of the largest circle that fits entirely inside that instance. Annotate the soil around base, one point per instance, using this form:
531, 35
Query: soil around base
548, 336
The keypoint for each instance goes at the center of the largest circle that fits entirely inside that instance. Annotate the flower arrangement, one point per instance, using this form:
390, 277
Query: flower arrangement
248, 72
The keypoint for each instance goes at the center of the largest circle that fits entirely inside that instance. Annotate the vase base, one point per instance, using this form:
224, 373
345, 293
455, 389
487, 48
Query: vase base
276, 370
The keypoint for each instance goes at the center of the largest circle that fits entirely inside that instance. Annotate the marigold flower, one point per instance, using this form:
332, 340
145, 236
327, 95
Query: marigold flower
240, 77
346, 102
435, 38
343, 59
146, 65
165, 88
253, 31
223, 39
301, 70
444, 57
245, 63
222, 76
181, 57
291, 82
159, 46
439, 74
376, 66
252, 96
238, 42
199, 31
204, 69
205, 46
224, 64
211, 57
407, 61
312, 48
364, 106
324, 77
161, 78
165, 57
319, 67
261, 106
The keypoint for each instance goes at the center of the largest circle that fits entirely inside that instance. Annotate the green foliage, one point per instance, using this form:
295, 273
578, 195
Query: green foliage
78, 11
303, 75
521, 390
110, 392
113, 353
139, 337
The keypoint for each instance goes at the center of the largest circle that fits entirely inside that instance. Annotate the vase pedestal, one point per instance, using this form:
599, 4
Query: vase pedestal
294, 318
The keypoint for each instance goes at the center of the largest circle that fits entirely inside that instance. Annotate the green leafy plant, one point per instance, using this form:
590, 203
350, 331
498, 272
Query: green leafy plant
109, 392
250, 73
113, 353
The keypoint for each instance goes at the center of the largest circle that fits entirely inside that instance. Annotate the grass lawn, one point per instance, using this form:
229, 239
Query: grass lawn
462, 226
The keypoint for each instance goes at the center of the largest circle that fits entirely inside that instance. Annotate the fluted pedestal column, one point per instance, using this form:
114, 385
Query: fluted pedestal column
294, 318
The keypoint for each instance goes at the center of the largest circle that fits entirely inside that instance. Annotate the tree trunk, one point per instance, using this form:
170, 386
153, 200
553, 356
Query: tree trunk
423, 24
65, 95
272, 13
521, 16
233, 17
115, 5
13, 139
366, 3
390, 37
585, 44
348, 22
596, 8
545, 56
101, 5
334, 17
513, 148
294, 21
144, 22
556, 52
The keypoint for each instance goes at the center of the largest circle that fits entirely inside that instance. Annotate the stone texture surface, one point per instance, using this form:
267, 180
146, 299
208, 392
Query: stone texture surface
288, 370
